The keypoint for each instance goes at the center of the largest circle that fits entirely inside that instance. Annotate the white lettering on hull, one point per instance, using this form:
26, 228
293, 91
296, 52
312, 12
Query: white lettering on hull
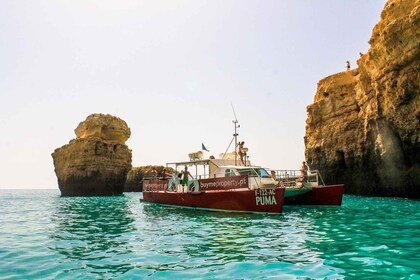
265, 200
265, 197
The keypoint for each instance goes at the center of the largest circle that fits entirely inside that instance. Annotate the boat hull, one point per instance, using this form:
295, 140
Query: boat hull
320, 195
261, 200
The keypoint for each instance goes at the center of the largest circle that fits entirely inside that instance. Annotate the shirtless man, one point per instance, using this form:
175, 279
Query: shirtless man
241, 152
303, 172
185, 177
273, 175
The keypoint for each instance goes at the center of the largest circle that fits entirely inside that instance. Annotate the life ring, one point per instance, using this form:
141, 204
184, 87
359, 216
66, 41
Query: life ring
193, 186
172, 185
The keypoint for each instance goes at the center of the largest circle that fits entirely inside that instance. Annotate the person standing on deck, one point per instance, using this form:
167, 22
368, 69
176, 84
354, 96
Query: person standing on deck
241, 152
185, 177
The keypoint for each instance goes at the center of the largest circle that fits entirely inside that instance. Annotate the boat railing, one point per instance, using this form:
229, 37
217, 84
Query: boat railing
319, 176
290, 178
157, 178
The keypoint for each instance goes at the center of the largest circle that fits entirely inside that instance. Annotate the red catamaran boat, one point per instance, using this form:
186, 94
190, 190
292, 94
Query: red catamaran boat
219, 185
233, 185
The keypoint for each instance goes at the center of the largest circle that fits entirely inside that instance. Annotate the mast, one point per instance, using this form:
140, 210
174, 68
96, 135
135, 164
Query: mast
235, 135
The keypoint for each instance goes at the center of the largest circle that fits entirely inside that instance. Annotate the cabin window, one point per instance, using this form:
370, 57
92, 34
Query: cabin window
229, 173
262, 172
248, 172
257, 172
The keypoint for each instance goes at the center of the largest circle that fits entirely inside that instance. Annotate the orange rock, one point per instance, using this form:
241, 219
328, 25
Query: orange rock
97, 161
363, 128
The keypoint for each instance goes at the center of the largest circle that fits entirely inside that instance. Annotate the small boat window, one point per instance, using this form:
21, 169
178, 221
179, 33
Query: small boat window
263, 173
249, 172
257, 172
229, 173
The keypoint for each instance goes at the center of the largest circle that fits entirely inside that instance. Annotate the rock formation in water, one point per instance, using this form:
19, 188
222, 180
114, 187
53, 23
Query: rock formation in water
363, 128
135, 176
97, 161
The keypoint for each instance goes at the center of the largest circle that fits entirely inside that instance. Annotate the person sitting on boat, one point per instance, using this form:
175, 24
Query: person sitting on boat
185, 177
273, 174
165, 174
154, 172
303, 172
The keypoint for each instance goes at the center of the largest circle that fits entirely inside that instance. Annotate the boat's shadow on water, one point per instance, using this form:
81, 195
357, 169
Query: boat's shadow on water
88, 231
158, 211
261, 237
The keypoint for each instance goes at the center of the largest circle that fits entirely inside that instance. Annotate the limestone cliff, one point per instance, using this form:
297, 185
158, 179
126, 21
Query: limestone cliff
363, 128
97, 161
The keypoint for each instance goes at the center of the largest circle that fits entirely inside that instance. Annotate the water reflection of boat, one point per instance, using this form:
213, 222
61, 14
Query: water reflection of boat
218, 185
308, 188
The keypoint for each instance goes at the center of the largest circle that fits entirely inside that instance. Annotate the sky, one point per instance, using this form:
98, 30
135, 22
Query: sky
172, 70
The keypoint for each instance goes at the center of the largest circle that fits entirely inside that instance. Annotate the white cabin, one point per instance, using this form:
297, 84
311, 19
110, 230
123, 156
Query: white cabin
258, 177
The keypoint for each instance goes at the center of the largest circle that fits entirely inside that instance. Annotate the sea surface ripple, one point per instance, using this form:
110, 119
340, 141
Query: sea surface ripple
45, 236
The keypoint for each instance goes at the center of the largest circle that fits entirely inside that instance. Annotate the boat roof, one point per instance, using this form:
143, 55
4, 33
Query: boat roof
225, 163
191, 162
240, 166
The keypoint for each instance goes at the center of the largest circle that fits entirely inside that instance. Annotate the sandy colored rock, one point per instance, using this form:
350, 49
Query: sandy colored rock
363, 128
105, 127
97, 161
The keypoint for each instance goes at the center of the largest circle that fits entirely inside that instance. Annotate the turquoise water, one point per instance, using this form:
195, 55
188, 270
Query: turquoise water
45, 236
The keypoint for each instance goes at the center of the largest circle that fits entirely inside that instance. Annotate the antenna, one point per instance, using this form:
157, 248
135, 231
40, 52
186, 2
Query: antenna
235, 135
233, 109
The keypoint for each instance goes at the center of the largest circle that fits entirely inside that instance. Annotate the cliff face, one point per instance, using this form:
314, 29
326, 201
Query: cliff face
363, 128
97, 161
